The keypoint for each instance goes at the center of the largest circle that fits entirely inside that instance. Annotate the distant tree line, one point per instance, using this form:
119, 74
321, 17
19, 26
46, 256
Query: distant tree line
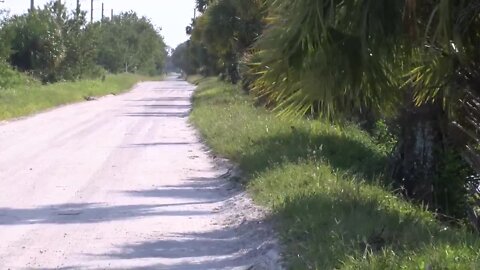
407, 71
220, 37
53, 43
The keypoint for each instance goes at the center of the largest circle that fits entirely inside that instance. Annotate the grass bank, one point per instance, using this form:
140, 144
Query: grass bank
325, 187
31, 97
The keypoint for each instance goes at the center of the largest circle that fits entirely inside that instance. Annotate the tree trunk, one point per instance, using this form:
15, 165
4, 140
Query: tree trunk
420, 150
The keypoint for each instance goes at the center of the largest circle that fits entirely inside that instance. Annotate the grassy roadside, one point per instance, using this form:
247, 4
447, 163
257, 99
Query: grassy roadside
31, 97
324, 185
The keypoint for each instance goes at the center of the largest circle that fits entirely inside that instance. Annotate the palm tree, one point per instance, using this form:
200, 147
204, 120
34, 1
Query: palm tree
414, 59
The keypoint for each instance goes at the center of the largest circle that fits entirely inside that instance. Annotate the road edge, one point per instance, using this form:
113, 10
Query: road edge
271, 253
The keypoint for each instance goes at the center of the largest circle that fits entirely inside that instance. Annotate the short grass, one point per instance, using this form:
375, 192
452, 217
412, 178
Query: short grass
324, 184
32, 97
195, 79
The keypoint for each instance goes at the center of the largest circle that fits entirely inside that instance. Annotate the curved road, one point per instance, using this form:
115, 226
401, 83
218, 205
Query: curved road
118, 183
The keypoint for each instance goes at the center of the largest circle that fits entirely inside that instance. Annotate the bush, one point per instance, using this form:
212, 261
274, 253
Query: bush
35, 41
54, 45
10, 78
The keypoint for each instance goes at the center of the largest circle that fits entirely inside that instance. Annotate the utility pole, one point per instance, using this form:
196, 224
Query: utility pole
103, 9
111, 17
78, 8
91, 11
32, 5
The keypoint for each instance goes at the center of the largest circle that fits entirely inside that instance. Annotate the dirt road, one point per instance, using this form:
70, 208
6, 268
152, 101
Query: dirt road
122, 182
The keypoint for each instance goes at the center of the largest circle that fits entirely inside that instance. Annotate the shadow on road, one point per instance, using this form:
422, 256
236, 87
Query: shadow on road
196, 190
85, 213
158, 114
229, 248
160, 99
226, 248
203, 189
155, 144
163, 106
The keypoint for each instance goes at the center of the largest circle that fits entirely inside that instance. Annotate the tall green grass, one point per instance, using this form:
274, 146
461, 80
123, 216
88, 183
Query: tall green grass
325, 186
29, 96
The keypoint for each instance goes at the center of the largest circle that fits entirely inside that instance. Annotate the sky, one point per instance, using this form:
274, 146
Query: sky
171, 16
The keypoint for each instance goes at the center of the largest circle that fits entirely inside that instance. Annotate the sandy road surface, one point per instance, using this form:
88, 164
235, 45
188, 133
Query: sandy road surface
121, 183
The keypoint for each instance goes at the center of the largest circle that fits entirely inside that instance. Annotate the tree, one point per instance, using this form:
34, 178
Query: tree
35, 43
408, 59
226, 30
80, 43
129, 43
4, 48
54, 44
202, 5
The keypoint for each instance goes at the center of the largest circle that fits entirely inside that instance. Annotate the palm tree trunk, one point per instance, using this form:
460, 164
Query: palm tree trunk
420, 150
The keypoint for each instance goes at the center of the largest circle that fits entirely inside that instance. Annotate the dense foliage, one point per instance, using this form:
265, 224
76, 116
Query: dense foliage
55, 44
323, 182
220, 37
408, 66
129, 43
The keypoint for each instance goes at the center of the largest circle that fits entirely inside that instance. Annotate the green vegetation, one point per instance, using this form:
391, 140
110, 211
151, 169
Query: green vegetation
220, 37
30, 96
54, 44
326, 188
128, 43
411, 63
404, 71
